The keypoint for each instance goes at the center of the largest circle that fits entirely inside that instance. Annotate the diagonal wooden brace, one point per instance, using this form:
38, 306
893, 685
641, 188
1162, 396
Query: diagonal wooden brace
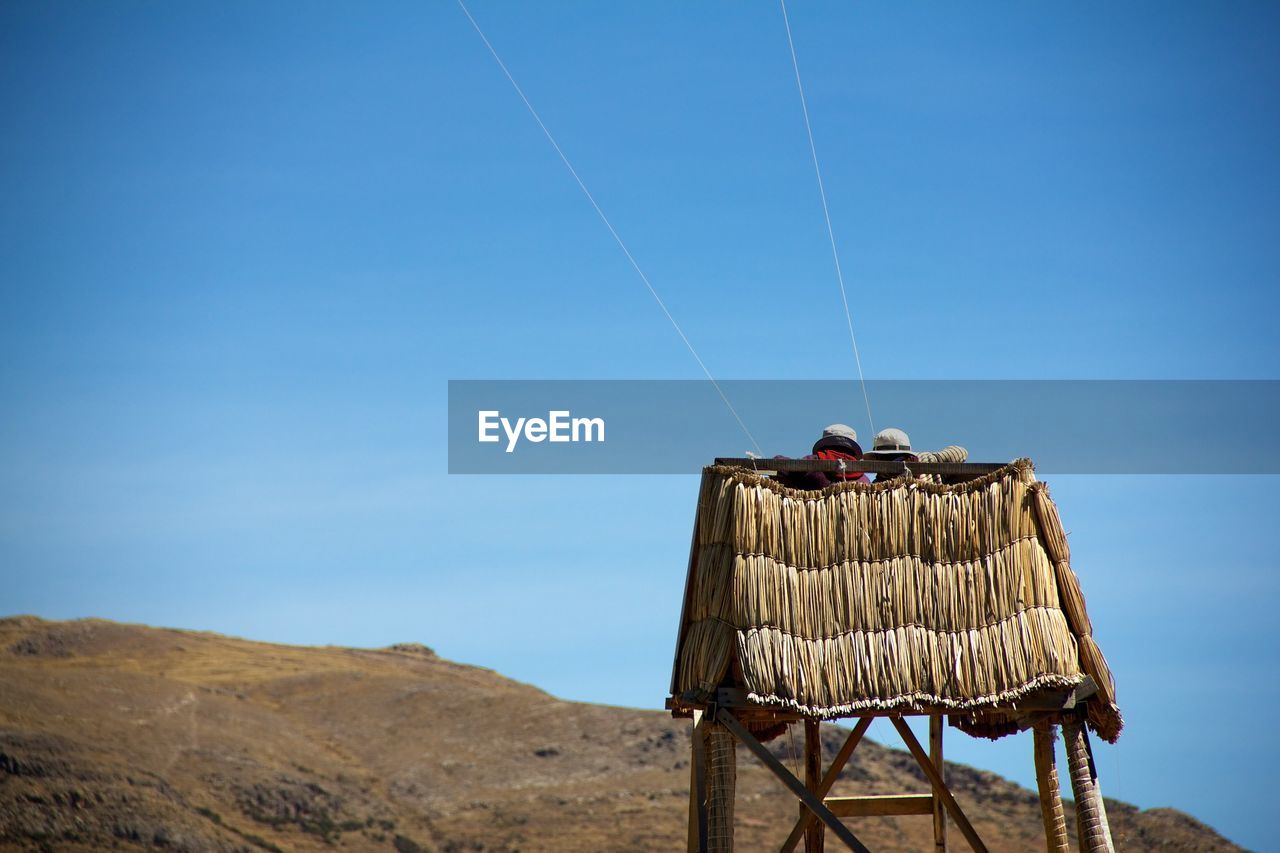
828, 781
939, 786
797, 787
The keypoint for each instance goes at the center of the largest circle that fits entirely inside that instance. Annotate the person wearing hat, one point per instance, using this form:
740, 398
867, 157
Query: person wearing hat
838, 443
891, 445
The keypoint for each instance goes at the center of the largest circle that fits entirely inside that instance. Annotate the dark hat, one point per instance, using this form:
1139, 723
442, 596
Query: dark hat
839, 437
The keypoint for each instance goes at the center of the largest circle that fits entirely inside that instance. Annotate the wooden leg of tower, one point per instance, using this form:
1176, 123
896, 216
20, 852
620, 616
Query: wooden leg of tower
814, 834
939, 809
1091, 816
698, 786
1055, 822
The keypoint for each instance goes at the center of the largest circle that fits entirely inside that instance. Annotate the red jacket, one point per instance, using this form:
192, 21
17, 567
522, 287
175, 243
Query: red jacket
811, 480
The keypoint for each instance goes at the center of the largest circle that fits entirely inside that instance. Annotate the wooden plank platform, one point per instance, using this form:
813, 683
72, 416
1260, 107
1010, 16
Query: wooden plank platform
869, 466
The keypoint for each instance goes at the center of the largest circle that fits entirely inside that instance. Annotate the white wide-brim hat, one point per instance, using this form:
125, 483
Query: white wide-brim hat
890, 442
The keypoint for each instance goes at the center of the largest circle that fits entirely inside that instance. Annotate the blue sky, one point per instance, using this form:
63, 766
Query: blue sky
243, 247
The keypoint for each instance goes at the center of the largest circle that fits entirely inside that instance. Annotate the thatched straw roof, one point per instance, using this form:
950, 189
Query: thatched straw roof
902, 595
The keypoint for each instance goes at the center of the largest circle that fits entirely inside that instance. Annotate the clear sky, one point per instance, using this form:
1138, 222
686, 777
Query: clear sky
243, 246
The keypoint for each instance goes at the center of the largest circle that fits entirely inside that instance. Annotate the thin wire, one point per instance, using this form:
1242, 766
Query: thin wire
608, 224
831, 234
795, 759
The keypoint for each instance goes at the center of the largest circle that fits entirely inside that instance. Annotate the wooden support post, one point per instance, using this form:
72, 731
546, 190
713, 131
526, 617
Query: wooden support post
1091, 814
829, 780
939, 810
797, 787
813, 836
1055, 822
939, 786
698, 786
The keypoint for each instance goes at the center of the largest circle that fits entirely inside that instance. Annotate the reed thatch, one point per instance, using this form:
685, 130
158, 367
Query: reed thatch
1055, 820
902, 595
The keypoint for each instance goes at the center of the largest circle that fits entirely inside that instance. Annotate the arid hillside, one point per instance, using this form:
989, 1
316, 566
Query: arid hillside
119, 736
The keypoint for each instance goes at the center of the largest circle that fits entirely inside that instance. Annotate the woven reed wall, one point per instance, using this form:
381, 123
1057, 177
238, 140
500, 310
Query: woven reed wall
898, 595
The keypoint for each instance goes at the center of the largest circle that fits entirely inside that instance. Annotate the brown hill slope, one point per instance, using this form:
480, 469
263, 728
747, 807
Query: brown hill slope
119, 735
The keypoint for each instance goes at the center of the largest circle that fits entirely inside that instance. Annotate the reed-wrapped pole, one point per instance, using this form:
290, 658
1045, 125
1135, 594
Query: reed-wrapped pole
1055, 822
1091, 816
722, 781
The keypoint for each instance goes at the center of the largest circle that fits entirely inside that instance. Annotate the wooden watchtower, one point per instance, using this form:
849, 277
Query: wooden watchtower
901, 598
